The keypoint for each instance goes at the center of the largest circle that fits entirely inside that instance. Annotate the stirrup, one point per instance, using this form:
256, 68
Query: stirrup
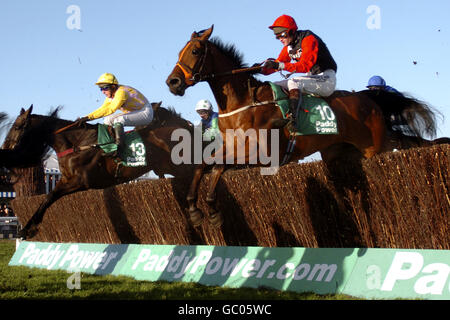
113, 154
292, 125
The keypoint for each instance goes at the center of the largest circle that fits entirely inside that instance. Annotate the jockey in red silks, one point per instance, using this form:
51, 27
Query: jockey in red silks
303, 52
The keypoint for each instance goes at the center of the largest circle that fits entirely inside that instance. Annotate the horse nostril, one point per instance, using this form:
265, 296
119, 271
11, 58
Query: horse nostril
174, 82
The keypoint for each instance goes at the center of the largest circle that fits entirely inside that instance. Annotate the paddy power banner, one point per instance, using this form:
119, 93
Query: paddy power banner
367, 273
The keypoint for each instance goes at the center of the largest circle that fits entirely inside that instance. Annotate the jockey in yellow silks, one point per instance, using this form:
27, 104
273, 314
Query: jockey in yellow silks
136, 109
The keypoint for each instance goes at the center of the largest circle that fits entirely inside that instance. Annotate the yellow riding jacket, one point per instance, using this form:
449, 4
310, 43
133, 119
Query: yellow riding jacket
126, 99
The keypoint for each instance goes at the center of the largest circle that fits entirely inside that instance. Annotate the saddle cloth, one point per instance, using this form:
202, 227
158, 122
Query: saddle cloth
314, 117
134, 155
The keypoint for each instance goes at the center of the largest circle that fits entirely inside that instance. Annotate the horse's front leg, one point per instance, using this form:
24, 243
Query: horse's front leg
195, 215
61, 189
215, 216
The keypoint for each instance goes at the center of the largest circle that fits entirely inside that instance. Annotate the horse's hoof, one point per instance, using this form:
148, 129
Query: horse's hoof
32, 232
196, 217
28, 232
216, 219
23, 234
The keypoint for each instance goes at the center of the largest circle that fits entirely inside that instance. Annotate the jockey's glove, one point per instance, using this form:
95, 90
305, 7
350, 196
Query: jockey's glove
271, 64
80, 121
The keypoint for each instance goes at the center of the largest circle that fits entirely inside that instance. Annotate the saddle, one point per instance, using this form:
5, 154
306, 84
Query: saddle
314, 116
134, 153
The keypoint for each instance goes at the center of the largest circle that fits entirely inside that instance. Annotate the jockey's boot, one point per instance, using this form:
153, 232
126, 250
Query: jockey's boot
294, 103
120, 137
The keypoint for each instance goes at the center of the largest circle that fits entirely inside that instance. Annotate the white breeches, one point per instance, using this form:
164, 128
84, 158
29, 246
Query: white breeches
134, 118
322, 84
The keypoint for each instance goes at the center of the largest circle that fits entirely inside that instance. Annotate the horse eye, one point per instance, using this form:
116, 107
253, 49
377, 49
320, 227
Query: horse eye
195, 52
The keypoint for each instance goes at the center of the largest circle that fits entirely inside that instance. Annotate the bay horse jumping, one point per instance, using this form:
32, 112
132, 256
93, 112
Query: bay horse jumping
82, 162
247, 103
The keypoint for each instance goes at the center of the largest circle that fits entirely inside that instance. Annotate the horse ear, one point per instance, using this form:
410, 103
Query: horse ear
156, 105
28, 112
30, 109
207, 33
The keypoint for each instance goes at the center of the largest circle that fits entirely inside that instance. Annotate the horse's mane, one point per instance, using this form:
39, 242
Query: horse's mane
168, 117
52, 115
175, 114
45, 132
230, 51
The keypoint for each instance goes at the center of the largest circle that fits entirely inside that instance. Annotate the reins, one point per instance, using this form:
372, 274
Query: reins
231, 72
198, 77
75, 148
64, 128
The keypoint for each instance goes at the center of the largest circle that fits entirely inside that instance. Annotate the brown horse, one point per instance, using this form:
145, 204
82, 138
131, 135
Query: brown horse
20, 157
82, 162
246, 103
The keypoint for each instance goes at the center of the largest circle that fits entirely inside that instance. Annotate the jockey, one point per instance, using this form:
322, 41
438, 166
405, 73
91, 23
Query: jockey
210, 119
137, 111
309, 54
378, 83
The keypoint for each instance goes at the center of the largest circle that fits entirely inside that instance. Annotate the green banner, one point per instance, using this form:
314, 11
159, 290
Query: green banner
399, 273
367, 273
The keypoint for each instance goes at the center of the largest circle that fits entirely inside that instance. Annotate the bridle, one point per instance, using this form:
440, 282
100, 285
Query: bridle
188, 72
18, 140
199, 76
195, 77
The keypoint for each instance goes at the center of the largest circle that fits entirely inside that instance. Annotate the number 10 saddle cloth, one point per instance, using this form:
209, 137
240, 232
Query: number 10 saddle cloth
314, 116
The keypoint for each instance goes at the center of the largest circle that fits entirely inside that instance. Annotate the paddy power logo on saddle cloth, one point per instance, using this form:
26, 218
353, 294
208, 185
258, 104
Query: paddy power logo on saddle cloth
368, 273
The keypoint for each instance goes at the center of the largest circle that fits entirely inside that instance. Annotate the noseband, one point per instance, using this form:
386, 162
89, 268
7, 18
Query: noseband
188, 71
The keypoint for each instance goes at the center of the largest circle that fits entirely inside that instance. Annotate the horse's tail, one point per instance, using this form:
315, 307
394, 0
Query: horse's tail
417, 117
421, 117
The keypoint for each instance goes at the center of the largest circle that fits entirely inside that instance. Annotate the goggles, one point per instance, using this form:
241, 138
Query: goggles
104, 88
282, 35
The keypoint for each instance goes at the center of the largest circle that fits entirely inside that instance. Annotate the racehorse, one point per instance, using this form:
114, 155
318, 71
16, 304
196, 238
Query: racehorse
82, 163
247, 103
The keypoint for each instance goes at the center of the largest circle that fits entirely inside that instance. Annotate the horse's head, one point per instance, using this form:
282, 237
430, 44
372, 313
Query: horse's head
30, 136
191, 63
18, 129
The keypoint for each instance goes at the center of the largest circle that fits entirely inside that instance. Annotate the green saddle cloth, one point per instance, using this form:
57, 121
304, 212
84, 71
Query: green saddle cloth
314, 117
134, 155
